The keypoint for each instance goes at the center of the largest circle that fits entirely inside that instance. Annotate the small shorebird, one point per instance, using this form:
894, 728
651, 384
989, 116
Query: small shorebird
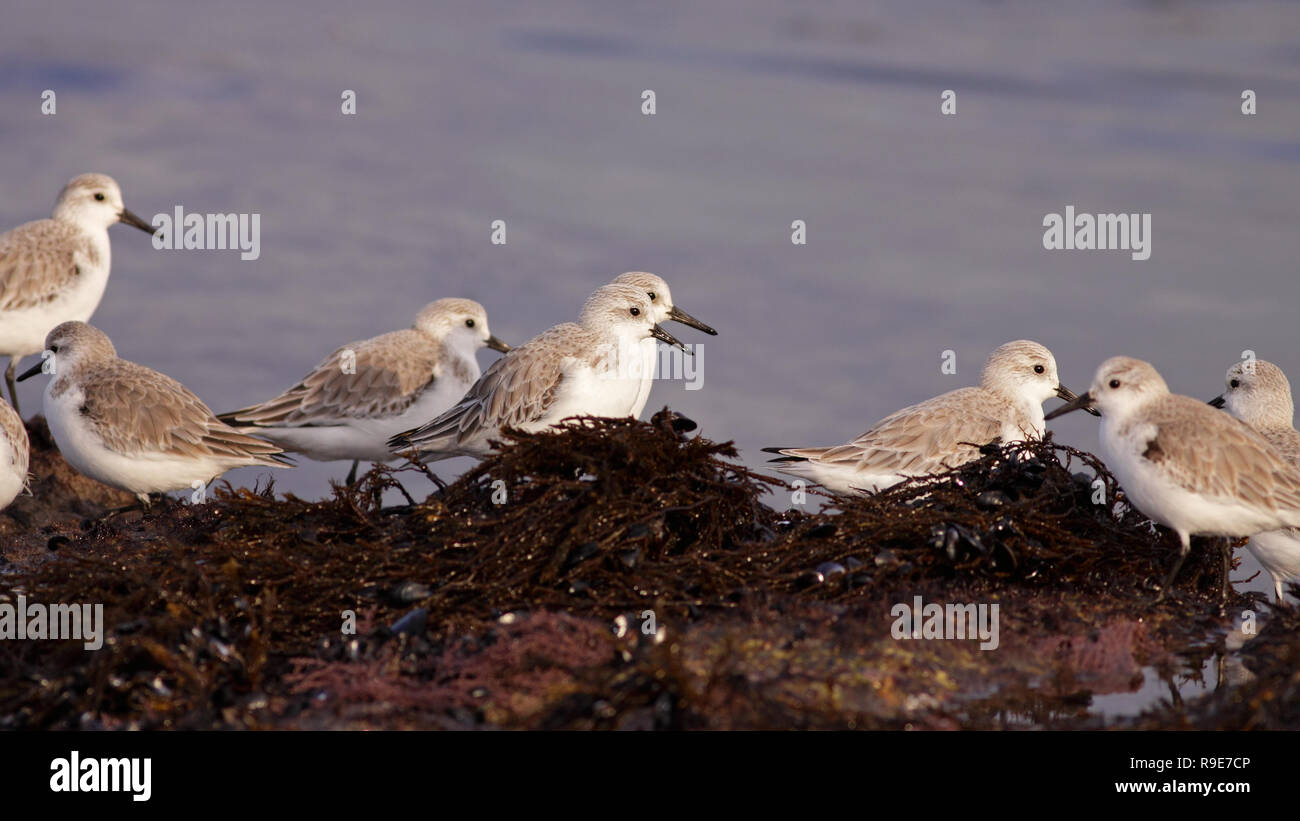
364, 393
14, 452
131, 427
1259, 394
54, 270
665, 309
940, 433
569, 370
1184, 464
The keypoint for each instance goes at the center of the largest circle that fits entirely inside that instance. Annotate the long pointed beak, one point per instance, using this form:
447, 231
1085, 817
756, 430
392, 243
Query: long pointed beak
497, 345
32, 371
1069, 396
663, 336
1078, 403
132, 220
1218, 401
678, 315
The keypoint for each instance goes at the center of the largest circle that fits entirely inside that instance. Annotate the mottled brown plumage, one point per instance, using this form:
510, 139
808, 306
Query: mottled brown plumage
1211, 454
15, 451
136, 411
568, 370
384, 379
133, 428
40, 260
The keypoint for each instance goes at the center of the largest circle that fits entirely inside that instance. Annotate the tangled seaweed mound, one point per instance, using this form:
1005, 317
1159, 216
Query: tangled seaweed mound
610, 512
492, 601
1016, 513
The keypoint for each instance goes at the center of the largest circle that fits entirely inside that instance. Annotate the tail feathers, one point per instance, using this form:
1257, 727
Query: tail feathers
269, 413
424, 448
403, 441
271, 460
248, 449
244, 417
794, 454
422, 437
281, 460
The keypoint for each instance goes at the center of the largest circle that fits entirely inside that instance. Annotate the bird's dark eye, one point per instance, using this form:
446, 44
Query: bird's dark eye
1236, 383
636, 312
469, 323
1039, 369
1114, 383
99, 196
652, 295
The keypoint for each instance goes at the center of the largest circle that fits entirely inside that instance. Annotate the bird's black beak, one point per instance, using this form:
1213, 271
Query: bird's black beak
1217, 401
497, 345
678, 315
131, 219
1069, 396
32, 371
662, 335
1077, 403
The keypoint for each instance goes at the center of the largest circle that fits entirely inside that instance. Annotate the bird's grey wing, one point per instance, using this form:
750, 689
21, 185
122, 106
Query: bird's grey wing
37, 262
376, 378
518, 388
137, 411
1286, 442
14, 429
1215, 455
932, 436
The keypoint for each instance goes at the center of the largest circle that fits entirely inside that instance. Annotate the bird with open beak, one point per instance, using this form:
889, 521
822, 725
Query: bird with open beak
665, 309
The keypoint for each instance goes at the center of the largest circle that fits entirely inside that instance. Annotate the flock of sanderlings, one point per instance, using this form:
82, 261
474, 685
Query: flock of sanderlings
419, 393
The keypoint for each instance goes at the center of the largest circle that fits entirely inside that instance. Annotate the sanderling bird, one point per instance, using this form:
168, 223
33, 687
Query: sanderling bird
133, 428
365, 393
14, 452
1259, 394
1185, 465
569, 370
54, 270
665, 309
940, 433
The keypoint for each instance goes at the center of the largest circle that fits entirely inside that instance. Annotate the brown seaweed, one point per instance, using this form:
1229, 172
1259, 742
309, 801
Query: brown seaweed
515, 597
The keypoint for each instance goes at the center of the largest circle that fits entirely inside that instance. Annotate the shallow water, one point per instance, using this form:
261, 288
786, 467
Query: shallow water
924, 231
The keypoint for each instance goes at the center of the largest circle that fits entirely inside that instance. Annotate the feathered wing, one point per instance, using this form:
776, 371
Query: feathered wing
16, 432
137, 411
1240, 464
518, 388
1286, 442
38, 260
929, 437
369, 383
